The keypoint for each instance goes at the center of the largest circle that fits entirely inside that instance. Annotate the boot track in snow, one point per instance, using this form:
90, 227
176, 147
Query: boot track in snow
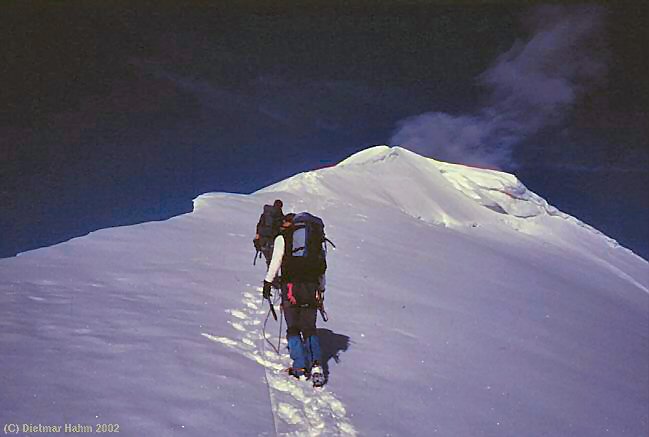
298, 408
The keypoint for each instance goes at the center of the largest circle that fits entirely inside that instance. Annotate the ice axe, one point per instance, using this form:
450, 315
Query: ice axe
272, 307
323, 313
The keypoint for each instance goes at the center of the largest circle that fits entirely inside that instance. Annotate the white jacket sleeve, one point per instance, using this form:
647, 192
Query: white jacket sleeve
276, 260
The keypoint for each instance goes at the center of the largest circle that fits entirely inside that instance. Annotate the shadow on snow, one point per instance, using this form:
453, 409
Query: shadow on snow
331, 345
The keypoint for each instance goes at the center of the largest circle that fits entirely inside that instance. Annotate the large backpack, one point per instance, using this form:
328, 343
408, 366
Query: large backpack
270, 222
305, 255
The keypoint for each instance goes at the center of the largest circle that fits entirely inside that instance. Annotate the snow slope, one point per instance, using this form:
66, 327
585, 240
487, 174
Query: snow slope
460, 303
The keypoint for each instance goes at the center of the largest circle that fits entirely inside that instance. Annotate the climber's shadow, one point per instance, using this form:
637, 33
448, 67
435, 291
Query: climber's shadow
331, 345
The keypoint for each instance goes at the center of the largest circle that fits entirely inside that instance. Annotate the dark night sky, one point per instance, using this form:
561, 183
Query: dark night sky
115, 114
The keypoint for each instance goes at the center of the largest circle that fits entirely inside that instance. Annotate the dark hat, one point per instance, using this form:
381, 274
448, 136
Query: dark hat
289, 217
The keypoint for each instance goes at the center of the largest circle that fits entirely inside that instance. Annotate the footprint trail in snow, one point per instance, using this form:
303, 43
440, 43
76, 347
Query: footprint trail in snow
298, 408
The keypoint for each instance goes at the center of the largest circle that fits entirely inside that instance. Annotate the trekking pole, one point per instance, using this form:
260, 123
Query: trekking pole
257, 255
279, 335
263, 333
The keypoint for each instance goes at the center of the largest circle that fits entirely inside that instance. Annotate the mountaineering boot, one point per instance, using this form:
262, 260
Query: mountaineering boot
313, 353
317, 375
298, 373
296, 349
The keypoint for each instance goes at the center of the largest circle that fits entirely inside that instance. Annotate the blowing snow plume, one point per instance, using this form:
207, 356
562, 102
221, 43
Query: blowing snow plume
531, 86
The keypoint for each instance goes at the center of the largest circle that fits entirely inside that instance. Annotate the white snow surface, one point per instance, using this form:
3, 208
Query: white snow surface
460, 304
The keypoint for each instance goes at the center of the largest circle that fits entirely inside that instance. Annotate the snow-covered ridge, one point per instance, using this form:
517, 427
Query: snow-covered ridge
368, 155
512, 327
434, 191
498, 191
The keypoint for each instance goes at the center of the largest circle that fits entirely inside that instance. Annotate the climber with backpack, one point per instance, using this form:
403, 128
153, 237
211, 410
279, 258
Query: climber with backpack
300, 254
268, 228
